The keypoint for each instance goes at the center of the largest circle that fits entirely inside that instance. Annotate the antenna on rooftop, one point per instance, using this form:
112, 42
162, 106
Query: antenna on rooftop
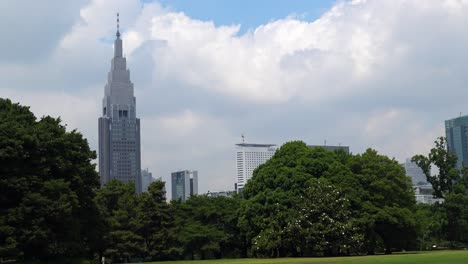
243, 138
118, 26
325, 142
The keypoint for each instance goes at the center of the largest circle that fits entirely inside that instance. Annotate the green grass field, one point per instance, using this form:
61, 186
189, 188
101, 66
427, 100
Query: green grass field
435, 257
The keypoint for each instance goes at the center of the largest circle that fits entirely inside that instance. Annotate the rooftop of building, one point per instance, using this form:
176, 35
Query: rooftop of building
255, 145
463, 119
327, 146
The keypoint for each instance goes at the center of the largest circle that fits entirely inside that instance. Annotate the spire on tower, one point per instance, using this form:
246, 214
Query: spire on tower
118, 26
118, 41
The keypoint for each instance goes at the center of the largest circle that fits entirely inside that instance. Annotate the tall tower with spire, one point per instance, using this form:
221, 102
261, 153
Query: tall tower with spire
119, 128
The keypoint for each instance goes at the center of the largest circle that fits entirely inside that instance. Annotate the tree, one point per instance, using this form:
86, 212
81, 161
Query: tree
47, 184
451, 184
324, 224
431, 225
445, 161
273, 194
386, 201
380, 196
118, 203
156, 224
207, 227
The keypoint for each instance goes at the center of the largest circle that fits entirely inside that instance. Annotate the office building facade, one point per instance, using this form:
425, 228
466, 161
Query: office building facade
425, 194
456, 132
184, 184
248, 158
146, 179
119, 127
415, 173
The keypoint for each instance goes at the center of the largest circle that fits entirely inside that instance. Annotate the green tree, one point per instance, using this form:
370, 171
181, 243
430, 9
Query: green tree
450, 184
324, 224
156, 224
274, 192
380, 196
207, 227
386, 203
47, 185
118, 203
445, 161
456, 206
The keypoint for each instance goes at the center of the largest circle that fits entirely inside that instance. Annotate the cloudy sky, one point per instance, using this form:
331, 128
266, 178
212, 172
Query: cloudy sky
383, 74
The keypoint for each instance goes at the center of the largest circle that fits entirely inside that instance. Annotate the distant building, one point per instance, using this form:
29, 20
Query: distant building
184, 184
146, 179
424, 194
456, 132
222, 193
164, 187
119, 126
422, 189
415, 172
332, 148
249, 157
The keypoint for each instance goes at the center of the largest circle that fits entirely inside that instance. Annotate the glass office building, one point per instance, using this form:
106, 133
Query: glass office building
456, 132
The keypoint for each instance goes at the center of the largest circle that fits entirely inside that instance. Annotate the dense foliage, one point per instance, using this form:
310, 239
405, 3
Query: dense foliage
47, 187
445, 161
302, 202
444, 224
372, 212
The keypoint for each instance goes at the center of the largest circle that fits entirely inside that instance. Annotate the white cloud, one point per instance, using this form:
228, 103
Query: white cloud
337, 55
381, 74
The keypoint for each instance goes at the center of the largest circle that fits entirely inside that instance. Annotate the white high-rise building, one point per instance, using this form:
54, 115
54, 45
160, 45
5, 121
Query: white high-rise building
249, 157
119, 126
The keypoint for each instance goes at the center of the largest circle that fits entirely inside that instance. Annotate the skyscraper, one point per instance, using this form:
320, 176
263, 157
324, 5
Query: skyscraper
249, 157
146, 179
119, 128
184, 184
456, 132
415, 172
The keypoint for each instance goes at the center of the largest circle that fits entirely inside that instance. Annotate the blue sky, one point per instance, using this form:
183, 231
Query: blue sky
248, 13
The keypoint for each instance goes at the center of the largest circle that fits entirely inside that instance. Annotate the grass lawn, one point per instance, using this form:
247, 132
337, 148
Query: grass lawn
434, 257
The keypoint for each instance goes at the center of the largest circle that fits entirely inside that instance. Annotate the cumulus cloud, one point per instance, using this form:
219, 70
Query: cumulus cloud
381, 74
354, 47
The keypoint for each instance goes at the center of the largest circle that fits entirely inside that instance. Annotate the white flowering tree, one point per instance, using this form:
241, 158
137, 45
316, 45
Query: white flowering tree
324, 225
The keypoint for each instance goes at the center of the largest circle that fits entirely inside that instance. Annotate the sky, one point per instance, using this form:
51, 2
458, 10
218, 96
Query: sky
380, 74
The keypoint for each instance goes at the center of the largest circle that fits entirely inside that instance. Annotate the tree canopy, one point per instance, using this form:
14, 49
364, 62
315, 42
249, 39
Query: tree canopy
47, 186
375, 188
445, 161
452, 185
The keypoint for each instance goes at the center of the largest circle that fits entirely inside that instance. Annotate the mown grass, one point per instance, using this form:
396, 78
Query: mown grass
433, 257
